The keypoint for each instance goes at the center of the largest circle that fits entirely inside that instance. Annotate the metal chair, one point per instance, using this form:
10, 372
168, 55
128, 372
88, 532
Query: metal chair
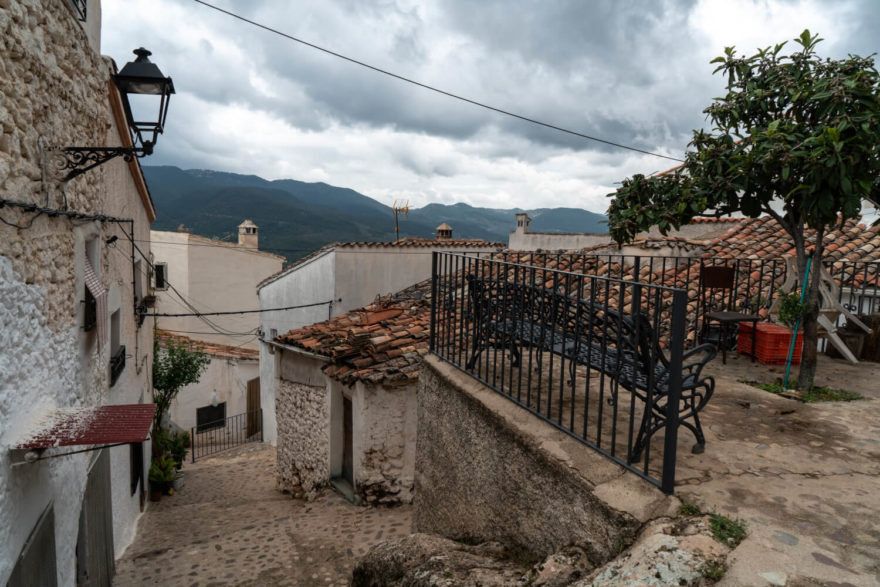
715, 280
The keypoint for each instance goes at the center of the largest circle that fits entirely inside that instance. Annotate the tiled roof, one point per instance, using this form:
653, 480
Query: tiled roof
702, 220
210, 348
384, 341
380, 343
764, 238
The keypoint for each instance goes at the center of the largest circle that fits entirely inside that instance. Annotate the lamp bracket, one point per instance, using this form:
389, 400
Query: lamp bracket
77, 160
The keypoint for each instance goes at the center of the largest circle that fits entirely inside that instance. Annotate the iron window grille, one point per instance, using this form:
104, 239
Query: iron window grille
117, 365
79, 8
90, 315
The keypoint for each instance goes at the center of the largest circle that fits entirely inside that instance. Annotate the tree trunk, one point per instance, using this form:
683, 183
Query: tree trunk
809, 322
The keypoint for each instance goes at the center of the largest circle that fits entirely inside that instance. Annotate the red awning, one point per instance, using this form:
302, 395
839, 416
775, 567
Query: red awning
93, 425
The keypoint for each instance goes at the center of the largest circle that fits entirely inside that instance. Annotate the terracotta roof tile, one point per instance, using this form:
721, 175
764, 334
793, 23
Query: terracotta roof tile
210, 348
371, 344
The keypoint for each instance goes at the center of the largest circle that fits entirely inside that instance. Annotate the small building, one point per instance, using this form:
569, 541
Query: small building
338, 278
195, 273
229, 386
346, 404
646, 243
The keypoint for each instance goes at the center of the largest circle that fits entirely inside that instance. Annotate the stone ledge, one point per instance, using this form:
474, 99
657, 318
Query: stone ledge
486, 469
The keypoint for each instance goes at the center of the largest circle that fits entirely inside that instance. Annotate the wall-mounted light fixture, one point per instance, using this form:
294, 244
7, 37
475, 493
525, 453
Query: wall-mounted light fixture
140, 77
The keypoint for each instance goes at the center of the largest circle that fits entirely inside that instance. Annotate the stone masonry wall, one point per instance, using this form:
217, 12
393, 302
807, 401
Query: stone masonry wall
482, 475
388, 441
54, 92
303, 455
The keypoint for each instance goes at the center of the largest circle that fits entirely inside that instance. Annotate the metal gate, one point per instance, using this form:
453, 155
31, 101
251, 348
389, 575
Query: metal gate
254, 422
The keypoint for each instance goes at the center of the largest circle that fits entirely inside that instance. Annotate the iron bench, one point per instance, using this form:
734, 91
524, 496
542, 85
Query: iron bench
510, 315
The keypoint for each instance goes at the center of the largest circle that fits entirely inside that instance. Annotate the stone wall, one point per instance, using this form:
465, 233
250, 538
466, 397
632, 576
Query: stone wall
486, 470
388, 442
55, 92
304, 440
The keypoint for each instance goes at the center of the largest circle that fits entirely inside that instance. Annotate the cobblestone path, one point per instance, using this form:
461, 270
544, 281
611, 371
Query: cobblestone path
229, 526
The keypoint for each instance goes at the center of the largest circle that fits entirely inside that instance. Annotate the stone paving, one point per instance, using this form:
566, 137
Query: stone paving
229, 525
805, 477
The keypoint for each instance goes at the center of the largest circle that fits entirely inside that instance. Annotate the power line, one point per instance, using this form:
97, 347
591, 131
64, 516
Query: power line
432, 88
161, 315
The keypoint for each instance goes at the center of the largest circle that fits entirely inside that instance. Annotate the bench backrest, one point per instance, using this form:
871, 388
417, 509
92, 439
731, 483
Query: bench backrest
571, 316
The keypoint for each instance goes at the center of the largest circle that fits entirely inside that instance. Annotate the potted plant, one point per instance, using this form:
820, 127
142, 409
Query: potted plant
162, 475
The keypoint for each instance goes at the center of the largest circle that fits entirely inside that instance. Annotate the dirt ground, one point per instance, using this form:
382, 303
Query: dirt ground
228, 525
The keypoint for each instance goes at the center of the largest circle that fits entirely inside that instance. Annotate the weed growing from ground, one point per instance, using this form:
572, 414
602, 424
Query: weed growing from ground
817, 394
688, 509
727, 531
713, 570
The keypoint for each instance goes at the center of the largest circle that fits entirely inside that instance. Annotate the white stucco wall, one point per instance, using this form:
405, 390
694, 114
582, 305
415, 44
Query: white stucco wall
228, 377
314, 282
214, 277
547, 241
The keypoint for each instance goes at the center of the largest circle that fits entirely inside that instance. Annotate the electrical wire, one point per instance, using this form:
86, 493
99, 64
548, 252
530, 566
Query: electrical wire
163, 315
432, 88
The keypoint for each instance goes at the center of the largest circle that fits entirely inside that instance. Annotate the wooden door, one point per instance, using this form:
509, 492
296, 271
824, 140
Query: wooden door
254, 421
36, 563
347, 452
95, 563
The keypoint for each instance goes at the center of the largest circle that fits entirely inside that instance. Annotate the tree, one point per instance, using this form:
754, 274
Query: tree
796, 137
174, 367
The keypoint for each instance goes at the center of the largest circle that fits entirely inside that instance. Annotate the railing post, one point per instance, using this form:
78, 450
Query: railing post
676, 350
433, 329
192, 444
261, 424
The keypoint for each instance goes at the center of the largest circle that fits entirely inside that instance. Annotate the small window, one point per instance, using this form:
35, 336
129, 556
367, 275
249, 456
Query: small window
117, 350
137, 465
161, 270
211, 417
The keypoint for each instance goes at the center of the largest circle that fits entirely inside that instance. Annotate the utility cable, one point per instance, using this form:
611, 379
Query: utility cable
162, 315
432, 88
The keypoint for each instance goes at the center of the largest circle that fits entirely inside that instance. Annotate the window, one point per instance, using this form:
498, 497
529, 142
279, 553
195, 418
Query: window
137, 464
117, 351
211, 417
161, 273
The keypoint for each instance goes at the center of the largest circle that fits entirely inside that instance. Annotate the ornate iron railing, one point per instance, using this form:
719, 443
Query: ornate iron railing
582, 352
212, 437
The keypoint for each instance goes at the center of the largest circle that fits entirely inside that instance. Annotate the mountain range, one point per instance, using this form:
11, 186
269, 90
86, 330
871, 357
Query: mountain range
296, 217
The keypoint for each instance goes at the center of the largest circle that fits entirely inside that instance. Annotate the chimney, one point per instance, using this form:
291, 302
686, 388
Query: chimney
522, 223
444, 232
247, 235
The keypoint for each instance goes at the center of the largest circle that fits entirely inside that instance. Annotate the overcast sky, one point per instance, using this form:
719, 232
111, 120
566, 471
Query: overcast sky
637, 73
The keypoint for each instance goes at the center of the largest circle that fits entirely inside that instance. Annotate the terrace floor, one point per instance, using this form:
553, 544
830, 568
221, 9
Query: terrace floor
805, 477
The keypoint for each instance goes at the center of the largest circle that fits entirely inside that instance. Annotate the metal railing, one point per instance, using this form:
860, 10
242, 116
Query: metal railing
557, 343
755, 286
212, 437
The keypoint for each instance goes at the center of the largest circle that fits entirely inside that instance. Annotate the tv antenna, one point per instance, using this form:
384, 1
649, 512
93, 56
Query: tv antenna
397, 209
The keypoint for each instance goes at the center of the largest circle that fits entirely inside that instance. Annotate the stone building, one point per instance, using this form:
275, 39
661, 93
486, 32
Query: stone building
75, 397
338, 278
346, 403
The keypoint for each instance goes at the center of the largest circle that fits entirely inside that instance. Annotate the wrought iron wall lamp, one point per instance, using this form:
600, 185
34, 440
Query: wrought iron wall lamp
140, 77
